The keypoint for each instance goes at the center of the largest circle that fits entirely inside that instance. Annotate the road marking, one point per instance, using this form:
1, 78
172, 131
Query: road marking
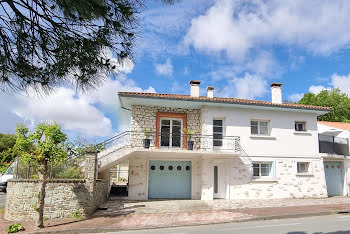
262, 226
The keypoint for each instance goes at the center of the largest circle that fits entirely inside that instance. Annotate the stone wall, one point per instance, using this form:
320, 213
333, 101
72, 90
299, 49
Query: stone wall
286, 183
63, 196
145, 117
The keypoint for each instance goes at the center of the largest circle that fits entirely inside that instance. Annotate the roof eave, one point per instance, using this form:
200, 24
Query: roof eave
317, 111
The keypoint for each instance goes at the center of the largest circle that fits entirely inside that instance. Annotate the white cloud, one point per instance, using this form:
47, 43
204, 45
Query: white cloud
237, 27
316, 89
81, 113
249, 87
165, 69
341, 82
337, 81
295, 97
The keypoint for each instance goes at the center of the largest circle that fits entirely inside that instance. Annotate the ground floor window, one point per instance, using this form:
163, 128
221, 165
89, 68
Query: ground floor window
262, 169
303, 167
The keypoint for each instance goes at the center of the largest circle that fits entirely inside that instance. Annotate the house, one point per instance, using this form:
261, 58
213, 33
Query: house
334, 150
207, 147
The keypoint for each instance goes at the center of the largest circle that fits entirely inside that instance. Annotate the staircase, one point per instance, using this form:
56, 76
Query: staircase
116, 148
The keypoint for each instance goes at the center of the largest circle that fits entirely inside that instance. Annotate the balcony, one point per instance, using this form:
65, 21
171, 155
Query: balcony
333, 145
173, 142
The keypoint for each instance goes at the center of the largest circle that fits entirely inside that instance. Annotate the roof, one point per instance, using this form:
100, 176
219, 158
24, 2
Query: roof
222, 100
340, 125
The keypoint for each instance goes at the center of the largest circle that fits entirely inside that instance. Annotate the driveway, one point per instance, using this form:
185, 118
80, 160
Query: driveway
2, 200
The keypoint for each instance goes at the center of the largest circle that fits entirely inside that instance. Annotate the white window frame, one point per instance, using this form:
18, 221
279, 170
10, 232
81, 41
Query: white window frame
300, 122
309, 168
271, 163
171, 132
259, 121
223, 132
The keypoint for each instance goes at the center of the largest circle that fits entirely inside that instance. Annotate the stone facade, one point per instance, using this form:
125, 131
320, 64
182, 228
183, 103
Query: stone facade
63, 196
144, 117
287, 183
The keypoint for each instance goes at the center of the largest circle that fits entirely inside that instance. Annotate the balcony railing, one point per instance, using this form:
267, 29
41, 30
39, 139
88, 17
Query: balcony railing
168, 141
333, 145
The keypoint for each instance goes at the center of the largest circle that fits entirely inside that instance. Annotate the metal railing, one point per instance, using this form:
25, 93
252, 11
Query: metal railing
333, 145
171, 141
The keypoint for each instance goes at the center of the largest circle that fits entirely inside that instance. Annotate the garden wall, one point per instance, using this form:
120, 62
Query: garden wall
63, 196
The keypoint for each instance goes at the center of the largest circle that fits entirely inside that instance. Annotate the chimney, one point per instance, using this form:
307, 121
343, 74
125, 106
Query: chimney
195, 88
210, 92
276, 93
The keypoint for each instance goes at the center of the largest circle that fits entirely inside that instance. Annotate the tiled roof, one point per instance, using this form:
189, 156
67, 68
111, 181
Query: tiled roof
340, 125
222, 100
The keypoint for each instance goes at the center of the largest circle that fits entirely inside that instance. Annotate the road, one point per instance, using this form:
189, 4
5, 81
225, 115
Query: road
338, 224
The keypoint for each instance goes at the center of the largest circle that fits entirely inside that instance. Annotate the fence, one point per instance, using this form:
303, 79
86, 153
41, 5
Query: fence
68, 169
333, 145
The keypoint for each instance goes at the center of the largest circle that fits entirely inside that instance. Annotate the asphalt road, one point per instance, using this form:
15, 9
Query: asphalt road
337, 224
2, 200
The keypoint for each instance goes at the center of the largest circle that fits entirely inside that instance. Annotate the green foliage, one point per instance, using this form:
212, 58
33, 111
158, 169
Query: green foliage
147, 132
47, 142
189, 133
64, 38
70, 173
76, 214
340, 103
7, 141
2, 210
15, 227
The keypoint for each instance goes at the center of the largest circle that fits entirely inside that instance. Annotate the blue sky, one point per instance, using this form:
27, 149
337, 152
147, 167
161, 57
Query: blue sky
237, 46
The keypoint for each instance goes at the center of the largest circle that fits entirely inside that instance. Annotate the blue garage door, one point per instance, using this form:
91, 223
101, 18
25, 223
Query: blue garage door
334, 178
169, 179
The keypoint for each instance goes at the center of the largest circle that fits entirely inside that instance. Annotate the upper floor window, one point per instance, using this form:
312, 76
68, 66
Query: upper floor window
170, 132
258, 127
300, 126
218, 131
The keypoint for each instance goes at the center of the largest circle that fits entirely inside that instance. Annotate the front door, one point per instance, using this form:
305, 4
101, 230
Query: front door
334, 178
219, 181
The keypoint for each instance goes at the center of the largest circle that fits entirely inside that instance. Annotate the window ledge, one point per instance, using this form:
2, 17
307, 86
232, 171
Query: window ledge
305, 174
267, 137
302, 133
259, 179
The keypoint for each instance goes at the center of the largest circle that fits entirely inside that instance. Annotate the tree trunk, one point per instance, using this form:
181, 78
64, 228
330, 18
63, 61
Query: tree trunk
43, 170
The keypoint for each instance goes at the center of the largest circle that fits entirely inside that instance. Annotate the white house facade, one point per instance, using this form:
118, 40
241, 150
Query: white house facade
195, 147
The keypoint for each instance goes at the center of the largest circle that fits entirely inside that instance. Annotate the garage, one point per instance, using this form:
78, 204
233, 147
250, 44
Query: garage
334, 178
169, 179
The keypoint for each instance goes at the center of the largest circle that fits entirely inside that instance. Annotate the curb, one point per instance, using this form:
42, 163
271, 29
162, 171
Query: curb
272, 217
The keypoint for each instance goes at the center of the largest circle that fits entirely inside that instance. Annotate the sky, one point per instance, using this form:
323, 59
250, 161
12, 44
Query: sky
238, 46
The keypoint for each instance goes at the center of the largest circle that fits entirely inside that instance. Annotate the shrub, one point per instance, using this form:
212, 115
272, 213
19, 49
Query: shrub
15, 227
76, 214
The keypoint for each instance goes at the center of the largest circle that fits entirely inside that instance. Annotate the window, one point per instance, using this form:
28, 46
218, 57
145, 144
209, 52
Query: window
300, 126
218, 131
262, 169
303, 167
259, 127
170, 132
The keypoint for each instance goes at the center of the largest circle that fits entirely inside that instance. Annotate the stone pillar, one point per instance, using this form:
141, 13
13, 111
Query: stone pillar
90, 170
